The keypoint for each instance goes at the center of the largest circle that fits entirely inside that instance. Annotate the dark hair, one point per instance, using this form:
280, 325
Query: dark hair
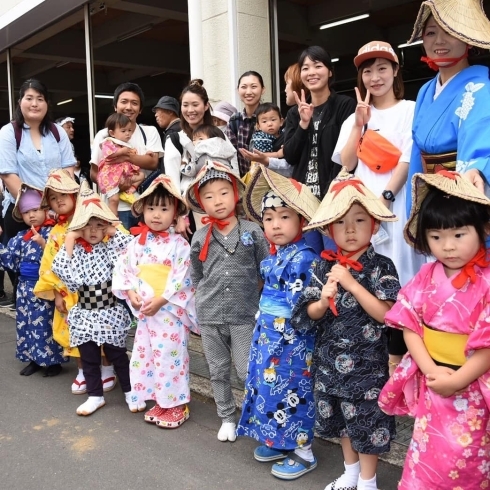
267, 107
195, 86
317, 54
117, 120
159, 196
251, 73
129, 87
440, 211
293, 73
398, 87
38, 87
209, 131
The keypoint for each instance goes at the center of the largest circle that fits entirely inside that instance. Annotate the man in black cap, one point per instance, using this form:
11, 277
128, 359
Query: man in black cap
167, 115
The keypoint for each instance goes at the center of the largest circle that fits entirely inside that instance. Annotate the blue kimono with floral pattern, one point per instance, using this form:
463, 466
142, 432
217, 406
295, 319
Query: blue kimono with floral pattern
34, 316
279, 409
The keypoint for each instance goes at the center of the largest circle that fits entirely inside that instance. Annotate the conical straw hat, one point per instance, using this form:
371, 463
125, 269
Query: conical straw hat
60, 180
344, 191
463, 19
451, 183
297, 196
90, 205
209, 170
16, 214
166, 182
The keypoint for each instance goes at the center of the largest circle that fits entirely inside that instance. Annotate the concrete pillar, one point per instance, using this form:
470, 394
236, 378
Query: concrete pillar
195, 38
235, 38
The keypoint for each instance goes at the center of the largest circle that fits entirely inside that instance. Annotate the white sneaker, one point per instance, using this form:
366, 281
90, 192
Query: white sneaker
133, 403
227, 432
92, 404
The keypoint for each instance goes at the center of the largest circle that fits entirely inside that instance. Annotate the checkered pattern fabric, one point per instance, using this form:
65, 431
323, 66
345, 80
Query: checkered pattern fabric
96, 297
241, 139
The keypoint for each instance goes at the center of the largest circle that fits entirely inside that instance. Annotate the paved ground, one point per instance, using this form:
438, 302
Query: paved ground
44, 445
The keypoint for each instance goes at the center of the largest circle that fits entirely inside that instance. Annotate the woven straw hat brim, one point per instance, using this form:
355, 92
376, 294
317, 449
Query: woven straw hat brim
90, 205
421, 184
190, 194
166, 182
463, 19
16, 214
297, 197
59, 180
336, 202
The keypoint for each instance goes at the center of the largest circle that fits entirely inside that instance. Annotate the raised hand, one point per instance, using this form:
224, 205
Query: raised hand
37, 238
305, 109
363, 109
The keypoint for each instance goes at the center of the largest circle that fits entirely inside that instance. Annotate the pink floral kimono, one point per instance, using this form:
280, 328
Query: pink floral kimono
450, 446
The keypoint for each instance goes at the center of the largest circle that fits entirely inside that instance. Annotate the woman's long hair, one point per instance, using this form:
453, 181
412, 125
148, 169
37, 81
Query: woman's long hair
196, 87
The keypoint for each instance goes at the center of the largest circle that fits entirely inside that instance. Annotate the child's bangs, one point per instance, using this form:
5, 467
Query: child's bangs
159, 197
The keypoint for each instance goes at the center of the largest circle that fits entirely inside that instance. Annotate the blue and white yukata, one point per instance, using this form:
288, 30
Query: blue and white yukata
457, 119
279, 408
34, 316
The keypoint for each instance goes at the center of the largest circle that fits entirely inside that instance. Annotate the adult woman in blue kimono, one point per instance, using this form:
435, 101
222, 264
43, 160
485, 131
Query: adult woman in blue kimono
451, 126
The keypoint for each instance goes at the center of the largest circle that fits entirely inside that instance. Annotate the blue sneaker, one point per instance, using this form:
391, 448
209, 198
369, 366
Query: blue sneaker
292, 467
265, 454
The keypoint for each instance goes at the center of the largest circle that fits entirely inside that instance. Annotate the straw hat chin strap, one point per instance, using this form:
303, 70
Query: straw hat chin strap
434, 63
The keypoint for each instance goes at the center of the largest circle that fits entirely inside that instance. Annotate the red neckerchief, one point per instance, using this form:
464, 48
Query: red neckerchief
468, 271
344, 260
297, 238
432, 62
143, 231
30, 233
64, 218
86, 245
220, 223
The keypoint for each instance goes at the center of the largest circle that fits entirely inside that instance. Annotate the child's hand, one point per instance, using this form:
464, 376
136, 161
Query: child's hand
135, 299
343, 276
110, 230
70, 239
441, 382
329, 291
59, 303
37, 238
152, 307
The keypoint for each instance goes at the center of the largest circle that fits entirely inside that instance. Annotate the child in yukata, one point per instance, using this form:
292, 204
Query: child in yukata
34, 316
110, 175
279, 407
444, 379
85, 263
225, 270
345, 304
153, 276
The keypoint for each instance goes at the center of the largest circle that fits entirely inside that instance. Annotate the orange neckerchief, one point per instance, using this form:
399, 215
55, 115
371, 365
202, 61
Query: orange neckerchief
468, 271
143, 231
220, 223
86, 245
344, 260
30, 233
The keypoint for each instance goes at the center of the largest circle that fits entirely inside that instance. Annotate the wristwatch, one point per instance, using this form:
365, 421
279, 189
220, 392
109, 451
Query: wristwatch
388, 195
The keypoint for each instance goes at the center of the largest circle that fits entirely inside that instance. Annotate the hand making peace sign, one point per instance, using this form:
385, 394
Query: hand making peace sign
305, 109
363, 109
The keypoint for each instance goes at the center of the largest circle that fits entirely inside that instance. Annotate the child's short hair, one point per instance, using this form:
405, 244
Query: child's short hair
117, 120
158, 197
209, 131
267, 107
440, 211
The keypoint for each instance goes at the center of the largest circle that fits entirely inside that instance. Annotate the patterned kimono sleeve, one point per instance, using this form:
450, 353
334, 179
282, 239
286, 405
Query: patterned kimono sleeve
407, 311
479, 338
11, 255
312, 292
117, 244
108, 147
473, 133
65, 268
124, 275
300, 275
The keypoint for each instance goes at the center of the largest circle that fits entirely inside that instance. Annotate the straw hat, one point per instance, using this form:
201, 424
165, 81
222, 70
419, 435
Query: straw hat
297, 196
463, 19
344, 191
16, 214
209, 171
59, 180
90, 205
452, 183
166, 182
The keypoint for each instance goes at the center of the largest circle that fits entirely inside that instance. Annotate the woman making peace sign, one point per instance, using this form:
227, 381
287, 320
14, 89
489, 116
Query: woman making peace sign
377, 141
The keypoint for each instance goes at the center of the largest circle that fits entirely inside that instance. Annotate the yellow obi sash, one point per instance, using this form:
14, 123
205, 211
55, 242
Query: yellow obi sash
444, 347
431, 164
155, 275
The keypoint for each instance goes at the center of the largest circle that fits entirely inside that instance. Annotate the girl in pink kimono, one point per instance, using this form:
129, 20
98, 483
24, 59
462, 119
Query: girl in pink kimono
153, 277
444, 379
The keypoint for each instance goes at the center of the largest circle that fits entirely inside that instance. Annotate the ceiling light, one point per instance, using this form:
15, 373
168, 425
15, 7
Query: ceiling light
65, 101
101, 96
344, 21
407, 45
334, 60
136, 32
